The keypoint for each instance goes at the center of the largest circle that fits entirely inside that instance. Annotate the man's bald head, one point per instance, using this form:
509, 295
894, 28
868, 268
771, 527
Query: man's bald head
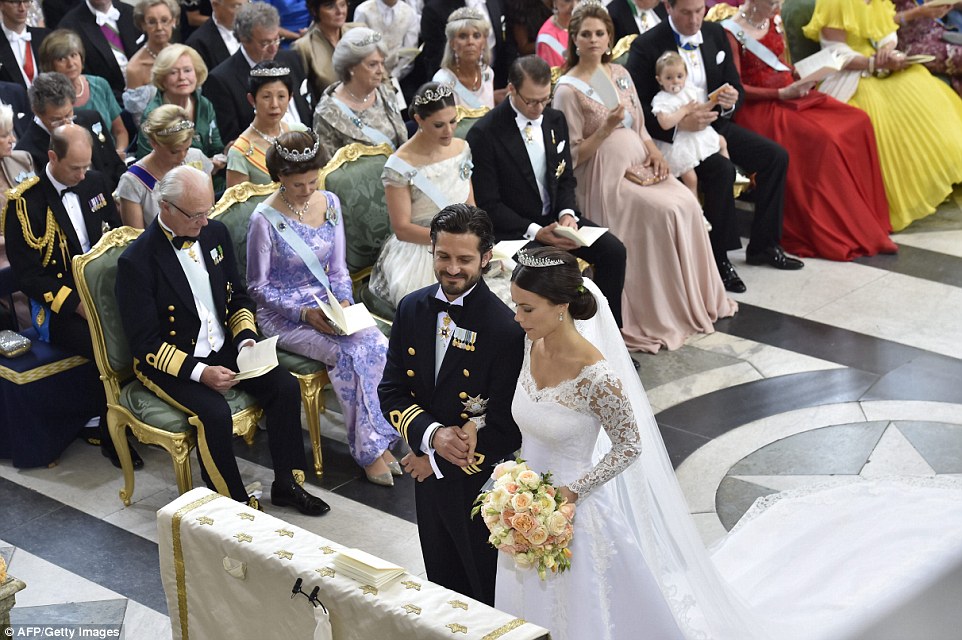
68, 135
69, 156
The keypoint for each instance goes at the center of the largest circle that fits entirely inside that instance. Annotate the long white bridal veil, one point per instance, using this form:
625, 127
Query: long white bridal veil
648, 492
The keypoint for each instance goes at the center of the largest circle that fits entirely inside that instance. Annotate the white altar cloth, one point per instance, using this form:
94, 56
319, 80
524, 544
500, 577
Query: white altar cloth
198, 530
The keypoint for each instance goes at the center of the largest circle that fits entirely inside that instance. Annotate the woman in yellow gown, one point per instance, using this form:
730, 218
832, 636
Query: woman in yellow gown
917, 118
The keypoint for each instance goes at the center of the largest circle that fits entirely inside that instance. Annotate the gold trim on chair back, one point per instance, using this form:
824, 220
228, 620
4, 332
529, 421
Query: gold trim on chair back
465, 112
621, 47
113, 239
350, 153
242, 193
721, 11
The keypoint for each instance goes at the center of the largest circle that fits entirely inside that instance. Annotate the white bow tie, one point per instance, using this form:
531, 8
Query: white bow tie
25, 36
696, 39
103, 18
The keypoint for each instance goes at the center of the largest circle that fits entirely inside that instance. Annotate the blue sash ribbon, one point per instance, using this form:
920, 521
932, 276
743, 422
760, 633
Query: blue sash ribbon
295, 242
419, 180
372, 134
760, 51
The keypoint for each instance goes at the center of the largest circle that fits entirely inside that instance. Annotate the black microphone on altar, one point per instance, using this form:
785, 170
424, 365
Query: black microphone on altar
312, 598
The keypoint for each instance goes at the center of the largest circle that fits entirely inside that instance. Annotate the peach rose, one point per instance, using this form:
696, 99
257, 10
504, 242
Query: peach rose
506, 516
522, 501
529, 479
557, 523
568, 510
539, 535
504, 468
523, 523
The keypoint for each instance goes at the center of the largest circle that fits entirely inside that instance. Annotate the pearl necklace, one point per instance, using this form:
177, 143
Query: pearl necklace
761, 27
269, 139
356, 99
152, 54
298, 213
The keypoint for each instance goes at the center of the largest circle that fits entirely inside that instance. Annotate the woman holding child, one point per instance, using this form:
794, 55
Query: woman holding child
835, 203
672, 286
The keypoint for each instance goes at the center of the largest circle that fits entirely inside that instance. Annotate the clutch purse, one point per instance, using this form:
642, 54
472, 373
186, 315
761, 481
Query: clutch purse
645, 176
12, 344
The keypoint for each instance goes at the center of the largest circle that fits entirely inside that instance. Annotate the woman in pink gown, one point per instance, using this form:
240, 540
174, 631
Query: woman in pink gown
672, 287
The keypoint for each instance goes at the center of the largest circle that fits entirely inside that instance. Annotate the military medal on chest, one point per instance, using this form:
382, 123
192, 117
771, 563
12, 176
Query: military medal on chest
464, 339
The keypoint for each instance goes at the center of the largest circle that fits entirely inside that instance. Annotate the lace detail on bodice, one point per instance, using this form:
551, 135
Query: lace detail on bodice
757, 73
452, 176
596, 394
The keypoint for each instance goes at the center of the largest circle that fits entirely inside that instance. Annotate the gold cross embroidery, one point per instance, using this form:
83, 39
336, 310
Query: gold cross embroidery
243, 537
205, 520
326, 572
411, 584
458, 604
284, 532
455, 628
411, 608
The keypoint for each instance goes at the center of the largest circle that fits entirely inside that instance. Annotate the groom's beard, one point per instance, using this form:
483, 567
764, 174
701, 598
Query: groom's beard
454, 287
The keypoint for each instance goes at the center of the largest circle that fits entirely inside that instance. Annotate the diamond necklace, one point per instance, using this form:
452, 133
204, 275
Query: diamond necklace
299, 214
763, 26
269, 139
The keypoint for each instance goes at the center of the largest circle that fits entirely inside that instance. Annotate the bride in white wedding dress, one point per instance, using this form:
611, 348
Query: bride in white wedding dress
815, 565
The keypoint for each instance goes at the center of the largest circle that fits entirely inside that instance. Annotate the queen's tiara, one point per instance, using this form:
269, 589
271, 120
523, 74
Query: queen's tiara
270, 72
587, 3
467, 13
433, 95
177, 127
298, 156
528, 260
373, 38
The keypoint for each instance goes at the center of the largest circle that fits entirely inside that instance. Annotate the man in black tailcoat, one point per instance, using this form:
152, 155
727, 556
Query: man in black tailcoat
704, 48
454, 357
506, 144
187, 316
634, 16
109, 36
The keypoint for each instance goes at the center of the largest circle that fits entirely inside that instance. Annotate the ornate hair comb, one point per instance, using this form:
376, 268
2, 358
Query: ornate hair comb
433, 95
466, 13
374, 38
527, 260
177, 127
298, 156
270, 72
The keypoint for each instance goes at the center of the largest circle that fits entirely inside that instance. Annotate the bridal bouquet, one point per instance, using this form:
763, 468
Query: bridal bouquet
528, 518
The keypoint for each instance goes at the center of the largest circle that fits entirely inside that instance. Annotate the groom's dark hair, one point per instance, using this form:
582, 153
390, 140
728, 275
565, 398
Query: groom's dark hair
464, 218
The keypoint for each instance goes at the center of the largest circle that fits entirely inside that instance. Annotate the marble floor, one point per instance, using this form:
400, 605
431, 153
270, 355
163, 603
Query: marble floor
834, 374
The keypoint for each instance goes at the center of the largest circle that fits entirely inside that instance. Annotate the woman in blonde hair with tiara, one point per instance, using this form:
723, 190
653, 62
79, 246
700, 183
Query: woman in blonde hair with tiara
360, 107
170, 131
270, 89
427, 173
295, 251
465, 64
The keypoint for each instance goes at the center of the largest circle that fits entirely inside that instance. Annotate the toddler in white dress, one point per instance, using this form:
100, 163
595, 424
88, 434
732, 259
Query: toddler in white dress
670, 105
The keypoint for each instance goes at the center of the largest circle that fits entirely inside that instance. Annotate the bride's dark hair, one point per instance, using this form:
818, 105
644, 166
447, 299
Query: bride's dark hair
558, 283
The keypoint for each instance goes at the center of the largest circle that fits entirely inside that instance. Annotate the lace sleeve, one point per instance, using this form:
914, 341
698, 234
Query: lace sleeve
608, 402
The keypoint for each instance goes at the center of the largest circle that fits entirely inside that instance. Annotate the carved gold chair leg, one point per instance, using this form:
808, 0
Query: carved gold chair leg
117, 427
179, 450
313, 400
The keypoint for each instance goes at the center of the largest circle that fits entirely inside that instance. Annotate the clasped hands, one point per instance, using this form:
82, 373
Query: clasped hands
454, 444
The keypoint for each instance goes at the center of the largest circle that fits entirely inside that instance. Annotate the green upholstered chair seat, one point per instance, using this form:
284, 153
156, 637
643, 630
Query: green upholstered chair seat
101, 276
795, 15
357, 184
296, 363
378, 307
234, 210
145, 406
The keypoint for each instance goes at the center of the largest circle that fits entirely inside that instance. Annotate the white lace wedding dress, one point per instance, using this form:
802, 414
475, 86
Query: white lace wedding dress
609, 592
824, 563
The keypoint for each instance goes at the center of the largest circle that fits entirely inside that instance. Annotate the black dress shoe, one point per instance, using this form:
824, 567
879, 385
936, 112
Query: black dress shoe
776, 257
730, 278
291, 494
110, 453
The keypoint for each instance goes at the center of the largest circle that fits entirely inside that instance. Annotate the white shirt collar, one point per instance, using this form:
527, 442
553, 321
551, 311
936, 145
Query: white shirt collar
13, 35
59, 186
41, 124
111, 15
696, 39
250, 61
523, 121
459, 301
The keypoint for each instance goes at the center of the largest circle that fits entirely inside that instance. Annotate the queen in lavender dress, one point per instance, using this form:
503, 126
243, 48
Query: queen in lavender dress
282, 285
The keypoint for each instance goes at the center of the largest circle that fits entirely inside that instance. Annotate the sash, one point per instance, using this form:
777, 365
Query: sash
760, 51
586, 89
419, 180
143, 175
552, 43
372, 134
254, 156
468, 99
295, 242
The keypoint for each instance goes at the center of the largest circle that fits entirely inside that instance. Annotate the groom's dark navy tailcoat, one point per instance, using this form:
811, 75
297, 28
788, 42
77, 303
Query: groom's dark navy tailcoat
455, 548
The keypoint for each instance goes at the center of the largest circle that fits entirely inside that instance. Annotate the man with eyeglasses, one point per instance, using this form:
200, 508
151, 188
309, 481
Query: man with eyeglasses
19, 62
257, 27
109, 36
524, 177
215, 40
187, 316
51, 99
51, 218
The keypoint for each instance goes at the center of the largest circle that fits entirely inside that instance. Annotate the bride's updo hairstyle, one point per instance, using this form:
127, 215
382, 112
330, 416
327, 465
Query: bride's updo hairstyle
430, 98
556, 278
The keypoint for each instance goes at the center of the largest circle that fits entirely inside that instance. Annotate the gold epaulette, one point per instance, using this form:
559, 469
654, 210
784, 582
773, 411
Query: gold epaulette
15, 193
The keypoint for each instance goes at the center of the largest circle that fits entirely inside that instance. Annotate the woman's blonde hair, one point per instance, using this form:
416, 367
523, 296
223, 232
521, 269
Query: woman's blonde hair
167, 58
59, 44
6, 118
167, 125
461, 20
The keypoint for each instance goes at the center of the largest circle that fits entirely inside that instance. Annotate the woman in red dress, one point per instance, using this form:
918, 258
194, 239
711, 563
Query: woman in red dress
835, 204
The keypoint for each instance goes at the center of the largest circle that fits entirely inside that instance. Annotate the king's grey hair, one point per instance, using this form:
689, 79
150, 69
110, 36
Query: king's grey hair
253, 15
179, 181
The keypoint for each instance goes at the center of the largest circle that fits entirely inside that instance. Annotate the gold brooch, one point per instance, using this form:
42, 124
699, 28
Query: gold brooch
560, 169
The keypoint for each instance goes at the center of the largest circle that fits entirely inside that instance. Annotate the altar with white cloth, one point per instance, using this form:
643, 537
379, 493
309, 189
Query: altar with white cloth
228, 572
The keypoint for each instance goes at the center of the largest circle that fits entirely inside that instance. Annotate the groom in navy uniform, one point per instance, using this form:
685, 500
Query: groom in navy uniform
454, 358
704, 48
524, 177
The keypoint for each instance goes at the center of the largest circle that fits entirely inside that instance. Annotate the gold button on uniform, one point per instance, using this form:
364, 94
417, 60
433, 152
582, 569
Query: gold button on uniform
173, 333
464, 416
170, 308
60, 275
410, 373
467, 374
462, 395
411, 351
171, 318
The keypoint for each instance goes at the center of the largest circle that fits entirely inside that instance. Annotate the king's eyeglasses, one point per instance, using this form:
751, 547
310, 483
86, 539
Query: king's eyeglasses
192, 216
